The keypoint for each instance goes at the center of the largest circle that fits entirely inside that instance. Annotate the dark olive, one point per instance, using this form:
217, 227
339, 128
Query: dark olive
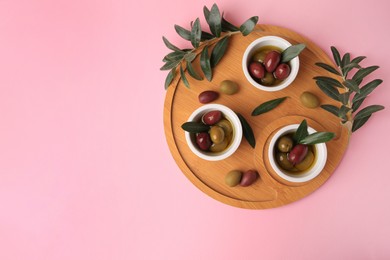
217, 135
256, 70
281, 159
208, 96
306, 163
248, 178
212, 117
297, 154
285, 144
271, 60
203, 141
282, 71
268, 79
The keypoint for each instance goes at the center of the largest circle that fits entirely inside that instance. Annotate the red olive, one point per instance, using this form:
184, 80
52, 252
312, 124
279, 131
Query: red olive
212, 117
297, 154
208, 96
256, 69
248, 178
271, 60
282, 71
203, 141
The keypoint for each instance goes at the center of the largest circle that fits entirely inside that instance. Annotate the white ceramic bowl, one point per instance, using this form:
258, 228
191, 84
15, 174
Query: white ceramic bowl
314, 171
237, 132
267, 41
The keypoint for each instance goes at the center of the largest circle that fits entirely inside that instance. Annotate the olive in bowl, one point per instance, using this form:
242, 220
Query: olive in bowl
221, 135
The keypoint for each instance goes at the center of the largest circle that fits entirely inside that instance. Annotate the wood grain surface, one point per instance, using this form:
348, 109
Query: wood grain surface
269, 191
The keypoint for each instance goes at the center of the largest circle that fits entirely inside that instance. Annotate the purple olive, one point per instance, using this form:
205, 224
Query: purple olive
212, 117
248, 178
282, 71
271, 60
256, 69
298, 153
208, 96
203, 141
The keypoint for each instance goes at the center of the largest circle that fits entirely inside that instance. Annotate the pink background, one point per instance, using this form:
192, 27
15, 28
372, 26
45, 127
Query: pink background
85, 171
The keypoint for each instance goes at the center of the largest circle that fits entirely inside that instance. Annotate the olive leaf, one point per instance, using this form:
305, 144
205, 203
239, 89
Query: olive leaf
192, 72
195, 127
357, 123
247, 131
184, 33
336, 56
367, 111
301, 132
328, 68
343, 113
169, 78
267, 106
317, 137
357, 104
190, 56
174, 56
227, 26
332, 109
352, 85
170, 65
367, 89
205, 64
170, 45
362, 73
214, 20
248, 26
196, 32
292, 51
358, 59
332, 81
184, 78
218, 51
329, 90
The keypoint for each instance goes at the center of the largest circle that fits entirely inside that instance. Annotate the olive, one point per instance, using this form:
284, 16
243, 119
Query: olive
248, 178
271, 60
208, 96
259, 56
216, 148
282, 71
283, 162
226, 126
309, 100
285, 144
212, 117
256, 70
217, 134
203, 141
297, 154
268, 79
228, 87
233, 178
306, 163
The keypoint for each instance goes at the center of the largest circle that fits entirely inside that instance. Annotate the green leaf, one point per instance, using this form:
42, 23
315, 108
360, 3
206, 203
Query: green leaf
329, 80
206, 36
174, 56
248, 26
192, 72
318, 137
367, 111
345, 60
190, 56
195, 127
227, 26
170, 65
196, 32
328, 68
292, 52
206, 13
344, 97
169, 78
349, 67
332, 109
184, 78
329, 90
184, 33
343, 112
218, 51
359, 123
301, 132
367, 89
214, 20
267, 106
357, 104
352, 85
247, 131
362, 73
336, 56
358, 59
170, 45
205, 64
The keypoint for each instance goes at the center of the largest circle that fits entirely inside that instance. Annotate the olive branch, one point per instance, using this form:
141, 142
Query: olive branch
180, 60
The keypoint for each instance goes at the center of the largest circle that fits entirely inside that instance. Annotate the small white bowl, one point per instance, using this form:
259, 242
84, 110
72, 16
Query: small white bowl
314, 171
237, 132
269, 41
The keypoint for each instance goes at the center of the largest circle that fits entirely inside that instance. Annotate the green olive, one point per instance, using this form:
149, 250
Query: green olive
228, 87
306, 163
226, 126
285, 144
283, 162
217, 135
309, 100
233, 178
268, 79
216, 148
259, 56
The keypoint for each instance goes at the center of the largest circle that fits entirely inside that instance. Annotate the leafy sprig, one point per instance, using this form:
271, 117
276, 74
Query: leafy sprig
180, 60
347, 89
302, 135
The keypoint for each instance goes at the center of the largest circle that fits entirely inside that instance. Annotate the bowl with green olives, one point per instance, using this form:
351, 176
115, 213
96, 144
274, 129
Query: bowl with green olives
266, 67
213, 132
296, 162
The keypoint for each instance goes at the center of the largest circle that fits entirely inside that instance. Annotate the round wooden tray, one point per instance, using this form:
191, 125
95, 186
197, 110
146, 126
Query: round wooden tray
269, 191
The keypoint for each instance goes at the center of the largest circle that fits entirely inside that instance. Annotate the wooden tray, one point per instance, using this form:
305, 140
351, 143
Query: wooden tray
269, 191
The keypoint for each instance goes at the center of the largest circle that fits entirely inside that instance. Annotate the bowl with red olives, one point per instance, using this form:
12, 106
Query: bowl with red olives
213, 132
295, 161
266, 65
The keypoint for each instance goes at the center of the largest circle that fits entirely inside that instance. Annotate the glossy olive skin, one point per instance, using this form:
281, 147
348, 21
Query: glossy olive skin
259, 56
216, 148
217, 135
282, 71
233, 178
208, 96
297, 153
285, 144
256, 69
309, 100
226, 126
271, 60
228, 87
248, 178
281, 159
203, 141
307, 162
268, 79
212, 117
